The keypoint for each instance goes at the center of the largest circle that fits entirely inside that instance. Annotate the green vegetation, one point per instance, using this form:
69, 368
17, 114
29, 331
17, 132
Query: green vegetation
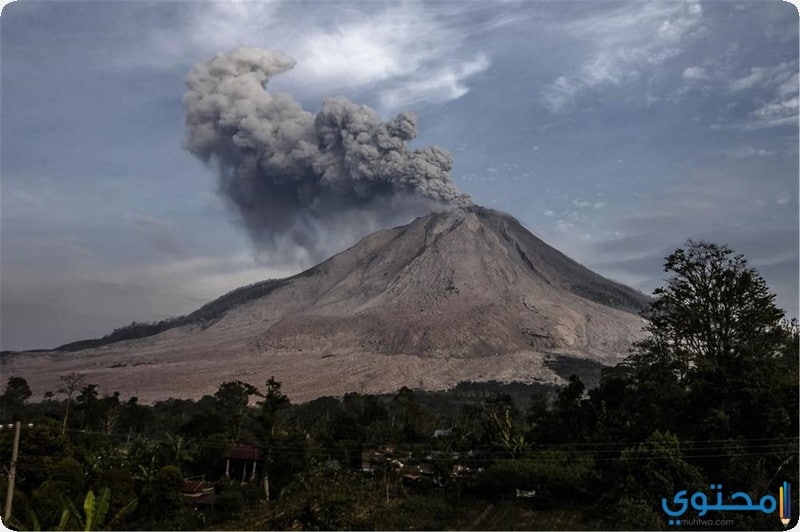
709, 397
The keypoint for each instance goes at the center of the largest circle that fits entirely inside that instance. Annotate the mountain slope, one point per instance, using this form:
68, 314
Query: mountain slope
464, 294
465, 283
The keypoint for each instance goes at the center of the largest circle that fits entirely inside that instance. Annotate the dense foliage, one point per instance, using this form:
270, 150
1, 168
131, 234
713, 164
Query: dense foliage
711, 396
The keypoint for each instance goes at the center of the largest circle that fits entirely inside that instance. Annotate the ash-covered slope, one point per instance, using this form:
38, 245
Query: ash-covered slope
469, 282
560, 269
464, 294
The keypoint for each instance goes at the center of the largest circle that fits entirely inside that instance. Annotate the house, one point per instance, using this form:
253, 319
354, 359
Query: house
242, 458
198, 491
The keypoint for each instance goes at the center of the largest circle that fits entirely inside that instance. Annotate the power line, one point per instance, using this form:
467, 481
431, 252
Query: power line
491, 453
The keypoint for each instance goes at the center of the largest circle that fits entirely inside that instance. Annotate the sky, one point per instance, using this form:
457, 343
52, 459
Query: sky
615, 131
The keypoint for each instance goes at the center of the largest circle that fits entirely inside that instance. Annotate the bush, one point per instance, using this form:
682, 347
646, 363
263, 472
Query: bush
69, 472
49, 501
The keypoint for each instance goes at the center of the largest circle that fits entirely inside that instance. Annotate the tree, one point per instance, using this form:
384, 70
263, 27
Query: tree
274, 401
72, 382
407, 416
41, 447
161, 500
177, 450
110, 408
86, 406
719, 346
232, 399
505, 433
642, 473
713, 310
17, 392
564, 422
501, 427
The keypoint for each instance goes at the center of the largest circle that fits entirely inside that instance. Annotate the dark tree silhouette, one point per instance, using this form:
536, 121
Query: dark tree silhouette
713, 310
17, 392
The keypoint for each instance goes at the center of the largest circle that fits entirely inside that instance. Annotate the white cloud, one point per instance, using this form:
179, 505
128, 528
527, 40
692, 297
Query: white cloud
209, 29
790, 86
748, 82
778, 110
405, 45
368, 48
442, 84
766, 77
561, 92
564, 226
357, 53
695, 73
781, 108
405, 52
624, 43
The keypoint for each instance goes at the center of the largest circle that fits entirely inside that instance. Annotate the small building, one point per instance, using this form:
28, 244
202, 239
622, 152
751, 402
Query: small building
242, 458
198, 491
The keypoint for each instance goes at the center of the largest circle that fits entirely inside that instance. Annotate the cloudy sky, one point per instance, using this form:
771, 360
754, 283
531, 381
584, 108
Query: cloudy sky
613, 130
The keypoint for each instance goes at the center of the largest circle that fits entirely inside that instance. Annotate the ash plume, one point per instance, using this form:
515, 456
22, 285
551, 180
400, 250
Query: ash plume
303, 180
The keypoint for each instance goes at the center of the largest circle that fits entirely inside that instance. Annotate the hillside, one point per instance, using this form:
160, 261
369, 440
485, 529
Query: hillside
467, 294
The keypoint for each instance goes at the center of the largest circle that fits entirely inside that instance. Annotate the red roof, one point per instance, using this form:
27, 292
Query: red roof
198, 491
195, 486
243, 452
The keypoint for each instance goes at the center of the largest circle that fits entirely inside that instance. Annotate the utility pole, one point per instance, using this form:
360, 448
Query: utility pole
12, 473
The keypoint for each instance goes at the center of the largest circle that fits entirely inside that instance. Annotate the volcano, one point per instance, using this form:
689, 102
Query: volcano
466, 294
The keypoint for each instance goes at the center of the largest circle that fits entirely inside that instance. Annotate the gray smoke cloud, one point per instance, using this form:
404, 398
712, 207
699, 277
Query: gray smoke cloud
309, 181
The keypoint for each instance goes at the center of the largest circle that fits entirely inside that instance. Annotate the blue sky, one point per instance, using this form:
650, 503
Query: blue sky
612, 130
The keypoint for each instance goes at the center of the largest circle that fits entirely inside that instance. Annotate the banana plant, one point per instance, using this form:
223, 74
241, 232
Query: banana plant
95, 510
